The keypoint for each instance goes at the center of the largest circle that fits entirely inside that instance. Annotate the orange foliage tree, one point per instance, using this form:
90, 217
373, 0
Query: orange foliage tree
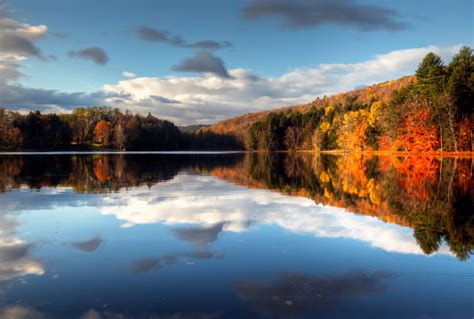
102, 132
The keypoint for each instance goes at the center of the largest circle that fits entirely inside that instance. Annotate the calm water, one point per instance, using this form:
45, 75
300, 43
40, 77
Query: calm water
235, 236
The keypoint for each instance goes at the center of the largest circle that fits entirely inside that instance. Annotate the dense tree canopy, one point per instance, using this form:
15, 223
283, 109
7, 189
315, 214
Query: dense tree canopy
435, 113
101, 128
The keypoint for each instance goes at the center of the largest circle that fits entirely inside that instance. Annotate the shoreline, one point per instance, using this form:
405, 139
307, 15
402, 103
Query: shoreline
329, 152
386, 153
116, 152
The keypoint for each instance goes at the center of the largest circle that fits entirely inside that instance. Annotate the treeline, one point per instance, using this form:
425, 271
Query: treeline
102, 127
435, 113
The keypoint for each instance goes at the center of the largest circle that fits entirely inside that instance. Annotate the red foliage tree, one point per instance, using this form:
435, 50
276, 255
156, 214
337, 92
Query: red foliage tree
416, 133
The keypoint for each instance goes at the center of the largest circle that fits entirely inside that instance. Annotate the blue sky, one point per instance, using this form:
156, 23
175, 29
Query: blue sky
270, 39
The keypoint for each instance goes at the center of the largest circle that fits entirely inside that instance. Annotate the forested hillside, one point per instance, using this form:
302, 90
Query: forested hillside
428, 112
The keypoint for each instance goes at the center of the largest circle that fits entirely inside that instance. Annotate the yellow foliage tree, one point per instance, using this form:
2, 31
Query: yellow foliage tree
353, 131
375, 109
325, 126
328, 109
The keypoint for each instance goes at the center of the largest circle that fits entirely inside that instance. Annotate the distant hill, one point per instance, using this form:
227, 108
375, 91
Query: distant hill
239, 126
192, 128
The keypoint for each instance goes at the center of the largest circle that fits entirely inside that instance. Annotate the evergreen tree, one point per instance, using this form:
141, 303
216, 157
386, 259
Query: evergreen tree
430, 75
461, 80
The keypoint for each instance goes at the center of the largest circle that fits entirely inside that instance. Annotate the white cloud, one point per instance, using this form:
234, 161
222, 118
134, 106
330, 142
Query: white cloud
208, 98
128, 74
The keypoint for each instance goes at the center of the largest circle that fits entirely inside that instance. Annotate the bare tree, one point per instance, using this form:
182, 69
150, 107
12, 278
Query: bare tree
119, 137
293, 137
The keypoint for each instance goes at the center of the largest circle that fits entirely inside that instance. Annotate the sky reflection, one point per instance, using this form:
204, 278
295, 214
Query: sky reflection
201, 246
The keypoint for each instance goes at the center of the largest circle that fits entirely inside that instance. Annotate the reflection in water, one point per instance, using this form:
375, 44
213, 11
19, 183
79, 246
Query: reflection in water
217, 206
432, 196
15, 255
150, 264
294, 295
200, 237
95, 314
102, 173
20, 312
16, 262
88, 245
217, 236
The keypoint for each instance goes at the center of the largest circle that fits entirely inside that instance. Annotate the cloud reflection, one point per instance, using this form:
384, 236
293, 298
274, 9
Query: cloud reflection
150, 264
216, 206
15, 259
200, 237
95, 314
20, 312
292, 295
88, 246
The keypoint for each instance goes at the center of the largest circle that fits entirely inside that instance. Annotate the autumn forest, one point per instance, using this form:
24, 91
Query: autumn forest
429, 112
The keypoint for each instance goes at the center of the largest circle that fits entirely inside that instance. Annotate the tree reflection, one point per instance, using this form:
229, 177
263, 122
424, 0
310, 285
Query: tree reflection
433, 196
102, 173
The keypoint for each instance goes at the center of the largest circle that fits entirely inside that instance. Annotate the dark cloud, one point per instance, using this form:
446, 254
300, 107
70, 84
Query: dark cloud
9, 71
210, 45
162, 36
16, 97
293, 295
88, 245
18, 38
198, 236
96, 54
61, 35
311, 13
203, 62
164, 100
15, 44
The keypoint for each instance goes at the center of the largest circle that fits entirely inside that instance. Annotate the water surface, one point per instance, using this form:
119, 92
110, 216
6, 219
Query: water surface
235, 236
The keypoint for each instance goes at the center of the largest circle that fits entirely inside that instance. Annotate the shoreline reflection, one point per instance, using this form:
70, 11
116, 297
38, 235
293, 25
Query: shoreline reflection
432, 196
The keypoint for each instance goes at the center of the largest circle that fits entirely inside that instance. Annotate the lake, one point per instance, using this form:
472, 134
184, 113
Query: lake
235, 235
